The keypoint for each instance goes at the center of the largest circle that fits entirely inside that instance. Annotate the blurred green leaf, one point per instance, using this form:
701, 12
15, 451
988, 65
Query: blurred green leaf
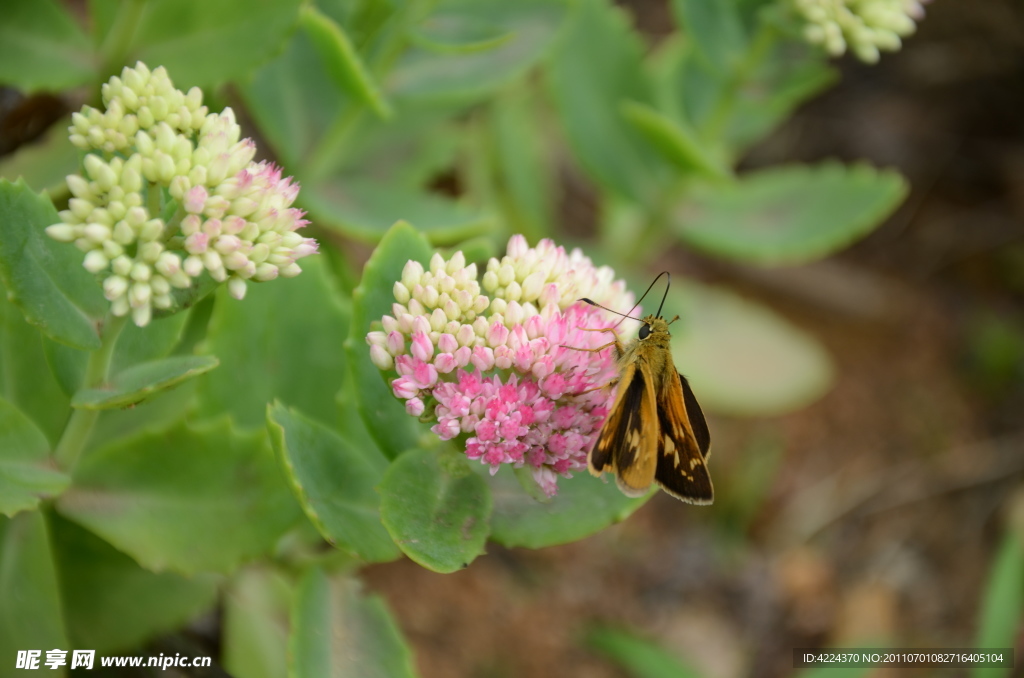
1002, 607
190, 499
27, 473
640, 658
42, 47
715, 29
385, 417
674, 141
284, 340
365, 210
203, 43
155, 414
337, 632
524, 173
789, 214
293, 101
43, 277
456, 32
597, 66
30, 617
110, 603
740, 357
428, 74
334, 481
584, 505
44, 163
341, 60
25, 378
140, 382
436, 509
256, 625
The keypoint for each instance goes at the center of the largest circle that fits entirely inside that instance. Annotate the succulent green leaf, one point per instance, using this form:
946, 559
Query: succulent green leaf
338, 632
190, 499
716, 30
142, 381
42, 47
110, 603
284, 340
464, 75
365, 210
597, 66
27, 473
44, 277
674, 141
584, 505
202, 43
385, 417
788, 215
30, 617
641, 658
436, 508
741, 358
257, 604
334, 480
341, 60
1002, 604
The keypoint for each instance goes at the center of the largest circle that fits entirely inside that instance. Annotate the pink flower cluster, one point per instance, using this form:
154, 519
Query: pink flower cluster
502, 372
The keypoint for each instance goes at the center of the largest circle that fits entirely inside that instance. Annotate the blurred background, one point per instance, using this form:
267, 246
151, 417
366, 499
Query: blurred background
877, 504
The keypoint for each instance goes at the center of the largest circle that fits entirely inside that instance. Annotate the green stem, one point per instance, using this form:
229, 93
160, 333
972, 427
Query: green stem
726, 102
118, 39
80, 425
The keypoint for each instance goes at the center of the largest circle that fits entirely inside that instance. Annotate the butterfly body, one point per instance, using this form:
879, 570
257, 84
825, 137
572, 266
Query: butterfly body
655, 431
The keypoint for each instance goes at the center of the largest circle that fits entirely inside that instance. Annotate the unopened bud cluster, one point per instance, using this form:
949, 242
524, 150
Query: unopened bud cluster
170, 191
864, 26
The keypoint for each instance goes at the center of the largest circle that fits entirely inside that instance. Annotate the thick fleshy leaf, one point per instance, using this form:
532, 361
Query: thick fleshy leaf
190, 499
674, 141
142, 381
44, 277
27, 474
789, 215
25, 379
457, 32
45, 163
743, 359
337, 632
334, 481
256, 624
202, 43
1002, 606
42, 47
294, 101
641, 658
386, 419
342, 61
597, 66
436, 508
584, 505
365, 210
716, 30
283, 341
30, 617
110, 603
428, 74
135, 345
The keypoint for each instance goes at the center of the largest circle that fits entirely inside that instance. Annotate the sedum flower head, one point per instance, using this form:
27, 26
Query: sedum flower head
152, 144
864, 26
486, 361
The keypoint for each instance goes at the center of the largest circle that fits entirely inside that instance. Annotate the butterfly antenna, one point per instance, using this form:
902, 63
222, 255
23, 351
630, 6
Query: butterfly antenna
624, 315
668, 284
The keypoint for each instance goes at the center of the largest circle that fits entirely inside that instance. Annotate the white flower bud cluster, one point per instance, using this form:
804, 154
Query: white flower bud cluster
864, 26
233, 217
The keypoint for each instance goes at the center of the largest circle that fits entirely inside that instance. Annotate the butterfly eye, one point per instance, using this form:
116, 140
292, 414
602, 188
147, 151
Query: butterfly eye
644, 331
